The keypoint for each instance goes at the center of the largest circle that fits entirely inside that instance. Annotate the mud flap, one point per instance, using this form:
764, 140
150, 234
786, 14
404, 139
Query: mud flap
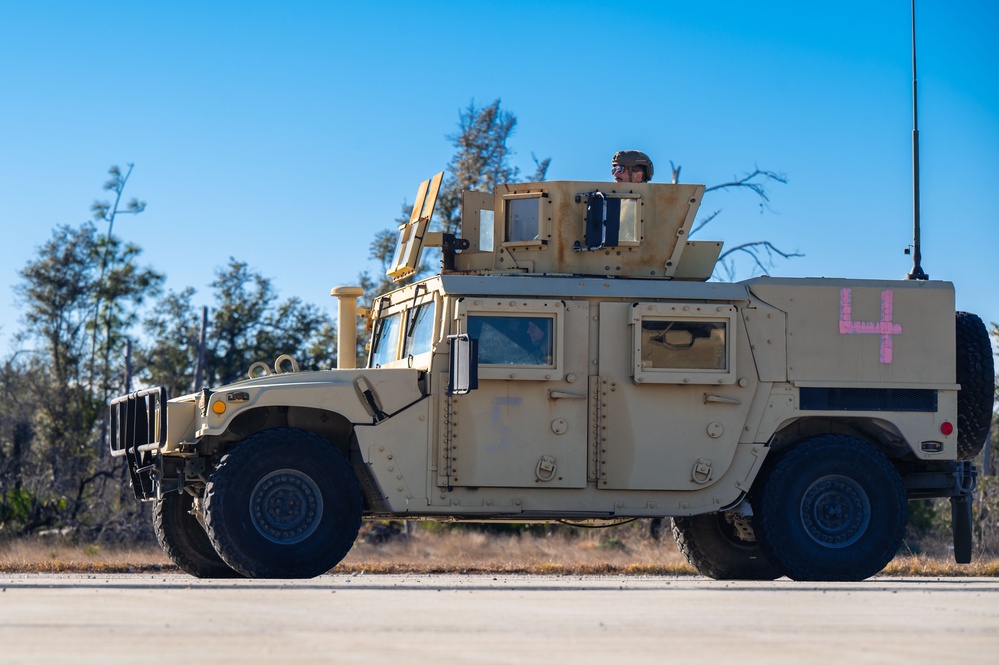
960, 509
956, 480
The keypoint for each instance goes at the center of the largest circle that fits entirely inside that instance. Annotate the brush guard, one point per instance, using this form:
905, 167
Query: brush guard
138, 432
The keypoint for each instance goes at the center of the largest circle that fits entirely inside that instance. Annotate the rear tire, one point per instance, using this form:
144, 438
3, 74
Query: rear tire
832, 508
976, 374
184, 540
711, 544
284, 503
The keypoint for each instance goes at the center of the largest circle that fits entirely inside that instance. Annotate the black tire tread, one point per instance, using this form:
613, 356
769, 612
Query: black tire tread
976, 374
712, 556
184, 541
229, 470
771, 529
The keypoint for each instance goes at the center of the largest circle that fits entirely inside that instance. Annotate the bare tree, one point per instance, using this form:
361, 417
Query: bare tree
62, 457
480, 162
762, 253
108, 212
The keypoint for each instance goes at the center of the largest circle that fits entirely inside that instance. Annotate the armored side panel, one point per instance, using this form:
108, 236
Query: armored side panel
865, 331
583, 228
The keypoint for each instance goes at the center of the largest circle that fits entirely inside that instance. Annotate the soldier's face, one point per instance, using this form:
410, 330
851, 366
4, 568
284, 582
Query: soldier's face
627, 174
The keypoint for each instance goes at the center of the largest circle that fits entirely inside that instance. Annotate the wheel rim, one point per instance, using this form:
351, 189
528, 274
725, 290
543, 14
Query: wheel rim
286, 506
835, 511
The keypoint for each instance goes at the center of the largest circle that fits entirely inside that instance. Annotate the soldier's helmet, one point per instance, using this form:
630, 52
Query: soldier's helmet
632, 158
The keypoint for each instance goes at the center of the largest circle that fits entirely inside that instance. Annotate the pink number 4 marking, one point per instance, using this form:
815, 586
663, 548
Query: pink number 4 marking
884, 327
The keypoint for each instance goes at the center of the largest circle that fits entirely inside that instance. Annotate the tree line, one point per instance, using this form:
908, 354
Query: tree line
92, 312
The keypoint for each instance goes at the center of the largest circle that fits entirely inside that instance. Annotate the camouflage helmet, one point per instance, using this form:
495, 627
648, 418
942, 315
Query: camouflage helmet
633, 158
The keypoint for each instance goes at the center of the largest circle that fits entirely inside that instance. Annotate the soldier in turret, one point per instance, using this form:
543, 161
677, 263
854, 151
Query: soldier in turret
631, 166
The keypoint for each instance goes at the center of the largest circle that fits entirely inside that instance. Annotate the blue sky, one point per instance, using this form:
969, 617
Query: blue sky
286, 134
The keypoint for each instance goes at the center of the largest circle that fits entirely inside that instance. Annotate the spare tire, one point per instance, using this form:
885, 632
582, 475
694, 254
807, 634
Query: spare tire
976, 374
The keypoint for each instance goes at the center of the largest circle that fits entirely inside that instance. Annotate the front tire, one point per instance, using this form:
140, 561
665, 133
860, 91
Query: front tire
184, 540
712, 545
284, 503
832, 508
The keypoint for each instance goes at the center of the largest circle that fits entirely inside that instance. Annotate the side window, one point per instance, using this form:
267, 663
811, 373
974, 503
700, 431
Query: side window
513, 340
419, 330
684, 343
680, 344
629, 233
486, 220
517, 339
385, 340
522, 219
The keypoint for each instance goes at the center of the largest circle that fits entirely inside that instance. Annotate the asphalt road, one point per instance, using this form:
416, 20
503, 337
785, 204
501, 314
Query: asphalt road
412, 619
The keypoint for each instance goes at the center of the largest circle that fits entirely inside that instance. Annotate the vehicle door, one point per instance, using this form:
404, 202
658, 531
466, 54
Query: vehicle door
526, 423
671, 401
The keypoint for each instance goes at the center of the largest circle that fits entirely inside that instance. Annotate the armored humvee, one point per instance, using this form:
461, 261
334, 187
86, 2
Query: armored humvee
571, 361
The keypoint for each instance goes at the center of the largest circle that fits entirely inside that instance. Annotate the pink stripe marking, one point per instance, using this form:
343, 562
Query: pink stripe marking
885, 327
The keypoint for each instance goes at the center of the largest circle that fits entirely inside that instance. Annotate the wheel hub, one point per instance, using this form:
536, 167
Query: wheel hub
835, 511
286, 506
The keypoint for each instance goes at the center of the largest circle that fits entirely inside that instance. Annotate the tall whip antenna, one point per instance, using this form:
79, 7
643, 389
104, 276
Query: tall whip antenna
917, 256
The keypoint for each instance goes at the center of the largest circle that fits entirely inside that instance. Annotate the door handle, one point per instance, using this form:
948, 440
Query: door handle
718, 399
558, 394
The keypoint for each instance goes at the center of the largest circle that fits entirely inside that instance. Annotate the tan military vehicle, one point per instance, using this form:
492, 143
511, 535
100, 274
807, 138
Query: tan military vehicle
571, 362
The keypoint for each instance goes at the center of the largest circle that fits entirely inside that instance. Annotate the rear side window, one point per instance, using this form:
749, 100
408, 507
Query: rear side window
683, 344
690, 343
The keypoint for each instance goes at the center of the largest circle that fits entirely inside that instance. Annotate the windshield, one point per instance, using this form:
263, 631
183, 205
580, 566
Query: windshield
385, 341
420, 331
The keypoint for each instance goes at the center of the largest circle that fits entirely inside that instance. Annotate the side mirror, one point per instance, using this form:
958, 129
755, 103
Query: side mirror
464, 361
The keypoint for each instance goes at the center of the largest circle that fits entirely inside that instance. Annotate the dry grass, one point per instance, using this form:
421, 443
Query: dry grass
922, 566
620, 551
44, 555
